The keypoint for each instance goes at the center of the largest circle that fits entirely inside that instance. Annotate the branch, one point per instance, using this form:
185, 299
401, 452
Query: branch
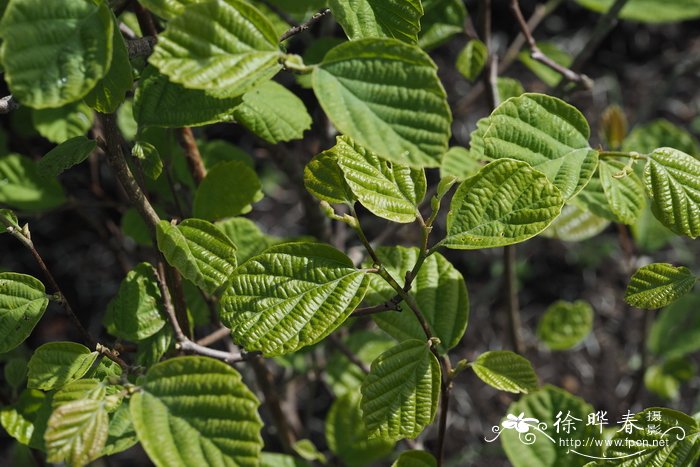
194, 159
511, 281
305, 25
389, 305
8, 104
215, 336
540, 56
345, 350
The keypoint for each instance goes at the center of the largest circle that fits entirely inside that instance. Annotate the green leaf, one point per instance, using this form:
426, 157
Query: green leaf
246, 235
547, 133
54, 53
342, 375
273, 113
674, 442
291, 296
507, 202
676, 332
77, 432
218, 150
63, 123
135, 313
659, 134
400, 394
370, 90
19, 419
159, 102
324, 179
121, 434
347, 436
8, 219
152, 349
672, 179
442, 20
649, 234
201, 252
111, 90
361, 19
575, 224
544, 405
65, 155
273, 459
15, 372
415, 459
657, 285
215, 198
549, 76
80, 389
506, 371
307, 450
167, 9
22, 187
565, 324
151, 163
460, 162
225, 45
509, 87
665, 379
388, 190
649, 11
134, 227
23, 301
55, 364
197, 411
438, 288
623, 190
472, 58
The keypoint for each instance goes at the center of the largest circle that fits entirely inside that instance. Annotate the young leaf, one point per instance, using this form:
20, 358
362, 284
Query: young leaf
215, 198
575, 224
324, 179
21, 420
159, 102
77, 432
23, 301
147, 153
565, 324
507, 202
623, 190
23, 188
400, 394
391, 191
442, 20
674, 442
8, 219
548, 405
63, 123
291, 296
347, 436
613, 126
370, 89
135, 313
55, 364
360, 19
54, 53
120, 434
471, 59
660, 134
438, 288
65, 155
665, 379
111, 90
226, 45
197, 411
658, 284
459, 162
509, 87
506, 371
200, 251
676, 332
273, 112
547, 133
415, 459
672, 179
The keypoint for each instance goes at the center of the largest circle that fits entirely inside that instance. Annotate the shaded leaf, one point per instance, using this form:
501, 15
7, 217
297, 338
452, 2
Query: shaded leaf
575, 224
216, 196
676, 331
471, 59
565, 324
63, 123
23, 302
55, 364
64, 156
415, 459
22, 187
460, 162
442, 20
324, 179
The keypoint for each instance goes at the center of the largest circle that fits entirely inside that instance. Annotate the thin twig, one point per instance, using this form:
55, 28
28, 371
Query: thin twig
511, 282
8, 104
305, 25
345, 350
216, 336
389, 305
540, 56
194, 159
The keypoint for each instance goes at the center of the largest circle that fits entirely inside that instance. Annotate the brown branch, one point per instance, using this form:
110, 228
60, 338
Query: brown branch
216, 336
8, 104
305, 25
540, 56
194, 159
345, 350
602, 28
511, 283
389, 305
